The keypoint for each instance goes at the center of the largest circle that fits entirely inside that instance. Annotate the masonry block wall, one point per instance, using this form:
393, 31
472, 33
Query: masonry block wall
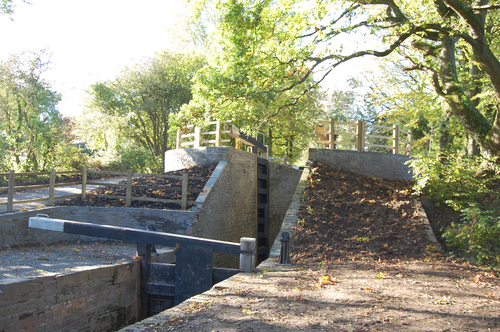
97, 299
282, 184
14, 231
230, 208
229, 211
382, 165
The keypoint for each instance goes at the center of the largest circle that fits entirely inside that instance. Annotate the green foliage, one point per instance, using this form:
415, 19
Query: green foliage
470, 186
457, 181
478, 235
264, 49
135, 109
31, 127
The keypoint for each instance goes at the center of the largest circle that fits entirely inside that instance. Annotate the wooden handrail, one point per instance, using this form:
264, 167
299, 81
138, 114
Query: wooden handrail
328, 133
229, 130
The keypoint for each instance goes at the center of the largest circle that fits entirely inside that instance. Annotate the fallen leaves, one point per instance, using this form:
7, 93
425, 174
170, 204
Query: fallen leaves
325, 280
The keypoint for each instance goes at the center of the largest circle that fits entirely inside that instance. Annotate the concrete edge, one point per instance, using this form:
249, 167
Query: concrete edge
428, 228
210, 183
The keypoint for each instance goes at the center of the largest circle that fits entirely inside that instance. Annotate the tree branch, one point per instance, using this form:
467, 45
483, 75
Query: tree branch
486, 7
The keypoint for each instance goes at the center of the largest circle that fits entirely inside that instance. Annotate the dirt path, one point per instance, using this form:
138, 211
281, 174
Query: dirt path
394, 278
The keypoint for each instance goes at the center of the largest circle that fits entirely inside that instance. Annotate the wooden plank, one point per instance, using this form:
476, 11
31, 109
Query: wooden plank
380, 146
51, 187
219, 274
133, 235
185, 181
378, 136
84, 182
346, 123
179, 140
193, 271
162, 273
345, 134
160, 289
378, 126
10, 192
68, 172
345, 143
107, 173
106, 184
235, 132
107, 196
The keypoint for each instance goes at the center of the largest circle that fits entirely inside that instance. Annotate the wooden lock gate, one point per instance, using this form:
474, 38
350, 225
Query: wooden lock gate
165, 285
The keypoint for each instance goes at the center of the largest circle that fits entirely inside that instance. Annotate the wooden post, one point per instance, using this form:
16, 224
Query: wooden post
408, 144
395, 139
84, 183
144, 253
361, 135
218, 133
129, 189
248, 254
52, 186
179, 138
10, 190
332, 133
185, 178
197, 137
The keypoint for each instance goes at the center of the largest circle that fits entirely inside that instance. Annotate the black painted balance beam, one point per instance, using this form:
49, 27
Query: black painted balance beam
132, 235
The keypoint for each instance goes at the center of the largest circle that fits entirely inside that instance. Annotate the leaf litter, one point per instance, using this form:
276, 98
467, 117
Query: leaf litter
362, 261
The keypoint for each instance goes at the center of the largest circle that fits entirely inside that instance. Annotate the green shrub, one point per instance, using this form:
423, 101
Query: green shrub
477, 237
470, 186
458, 182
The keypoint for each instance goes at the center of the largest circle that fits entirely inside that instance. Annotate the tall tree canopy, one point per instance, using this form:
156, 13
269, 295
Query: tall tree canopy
145, 96
269, 47
30, 123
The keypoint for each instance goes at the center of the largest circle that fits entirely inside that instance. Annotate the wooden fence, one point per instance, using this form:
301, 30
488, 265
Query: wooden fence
11, 188
362, 136
192, 136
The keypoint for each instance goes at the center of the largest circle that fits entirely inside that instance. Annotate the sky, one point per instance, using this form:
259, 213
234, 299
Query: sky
89, 41
93, 40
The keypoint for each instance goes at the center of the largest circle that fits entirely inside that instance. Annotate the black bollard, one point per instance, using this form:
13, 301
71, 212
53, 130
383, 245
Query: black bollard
285, 249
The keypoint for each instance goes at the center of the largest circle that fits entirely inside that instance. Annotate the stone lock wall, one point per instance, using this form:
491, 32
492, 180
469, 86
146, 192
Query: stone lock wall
229, 210
282, 185
95, 299
382, 165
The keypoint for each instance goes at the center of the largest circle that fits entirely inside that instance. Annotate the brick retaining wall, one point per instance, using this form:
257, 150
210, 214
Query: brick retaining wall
382, 165
94, 299
282, 184
229, 211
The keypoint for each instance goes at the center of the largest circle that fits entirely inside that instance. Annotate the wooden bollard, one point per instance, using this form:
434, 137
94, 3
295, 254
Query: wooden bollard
248, 254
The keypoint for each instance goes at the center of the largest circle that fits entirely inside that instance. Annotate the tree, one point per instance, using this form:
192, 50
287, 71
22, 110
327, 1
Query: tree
145, 96
7, 7
269, 47
30, 123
